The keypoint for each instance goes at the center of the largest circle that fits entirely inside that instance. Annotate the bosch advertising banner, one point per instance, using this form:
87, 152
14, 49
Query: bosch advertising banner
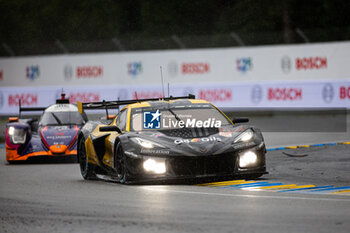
309, 62
311, 75
325, 94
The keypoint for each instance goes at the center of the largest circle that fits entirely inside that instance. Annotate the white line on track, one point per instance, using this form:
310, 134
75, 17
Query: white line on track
244, 195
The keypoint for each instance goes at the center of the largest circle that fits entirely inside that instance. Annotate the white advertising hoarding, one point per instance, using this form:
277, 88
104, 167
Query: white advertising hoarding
250, 64
311, 75
322, 94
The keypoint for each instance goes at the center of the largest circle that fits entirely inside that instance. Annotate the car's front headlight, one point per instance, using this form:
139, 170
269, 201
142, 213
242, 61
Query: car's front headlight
155, 165
248, 159
146, 143
17, 136
245, 136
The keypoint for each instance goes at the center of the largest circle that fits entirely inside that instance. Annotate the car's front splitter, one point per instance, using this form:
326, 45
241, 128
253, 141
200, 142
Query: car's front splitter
12, 154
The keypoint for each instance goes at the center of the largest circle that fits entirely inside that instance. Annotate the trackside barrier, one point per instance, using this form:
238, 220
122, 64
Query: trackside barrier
317, 94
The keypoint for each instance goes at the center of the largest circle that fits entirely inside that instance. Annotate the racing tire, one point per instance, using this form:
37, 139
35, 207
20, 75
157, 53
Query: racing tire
119, 163
86, 168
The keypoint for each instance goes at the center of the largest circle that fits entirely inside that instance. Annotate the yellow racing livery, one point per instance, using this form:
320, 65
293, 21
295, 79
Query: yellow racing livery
168, 139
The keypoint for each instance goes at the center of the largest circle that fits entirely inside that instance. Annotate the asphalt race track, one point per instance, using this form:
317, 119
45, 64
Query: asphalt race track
307, 190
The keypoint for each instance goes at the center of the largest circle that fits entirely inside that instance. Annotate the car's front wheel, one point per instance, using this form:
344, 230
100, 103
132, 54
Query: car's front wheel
86, 168
119, 163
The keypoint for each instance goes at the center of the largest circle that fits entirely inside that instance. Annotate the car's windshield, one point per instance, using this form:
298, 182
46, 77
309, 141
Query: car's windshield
61, 118
194, 116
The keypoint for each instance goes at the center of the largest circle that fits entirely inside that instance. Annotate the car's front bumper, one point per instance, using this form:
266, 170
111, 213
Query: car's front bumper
12, 154
199, 168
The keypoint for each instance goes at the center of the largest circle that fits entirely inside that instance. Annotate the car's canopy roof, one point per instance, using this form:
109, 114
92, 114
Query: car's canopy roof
62, 108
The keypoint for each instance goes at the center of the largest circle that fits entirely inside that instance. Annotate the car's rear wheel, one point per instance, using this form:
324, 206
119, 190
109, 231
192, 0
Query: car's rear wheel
86, 168
119, 163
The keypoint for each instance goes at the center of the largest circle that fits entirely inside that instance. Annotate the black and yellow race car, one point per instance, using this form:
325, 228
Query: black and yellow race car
167, 139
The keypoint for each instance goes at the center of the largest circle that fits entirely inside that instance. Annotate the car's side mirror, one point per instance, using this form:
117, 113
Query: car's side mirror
34, 126
84, 116
110, 128
240, 120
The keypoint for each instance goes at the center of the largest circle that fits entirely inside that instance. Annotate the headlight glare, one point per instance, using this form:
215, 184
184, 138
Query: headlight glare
248, 159
152, 165
11, 130
245, 136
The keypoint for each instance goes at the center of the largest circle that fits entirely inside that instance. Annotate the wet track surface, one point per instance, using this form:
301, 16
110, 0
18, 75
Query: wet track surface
55, 198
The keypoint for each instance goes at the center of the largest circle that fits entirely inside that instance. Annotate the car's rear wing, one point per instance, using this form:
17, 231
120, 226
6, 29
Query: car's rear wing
115, 104
28, 109
62, 100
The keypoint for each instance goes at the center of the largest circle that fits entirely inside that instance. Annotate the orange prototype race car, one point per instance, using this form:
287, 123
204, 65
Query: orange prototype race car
54, 135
